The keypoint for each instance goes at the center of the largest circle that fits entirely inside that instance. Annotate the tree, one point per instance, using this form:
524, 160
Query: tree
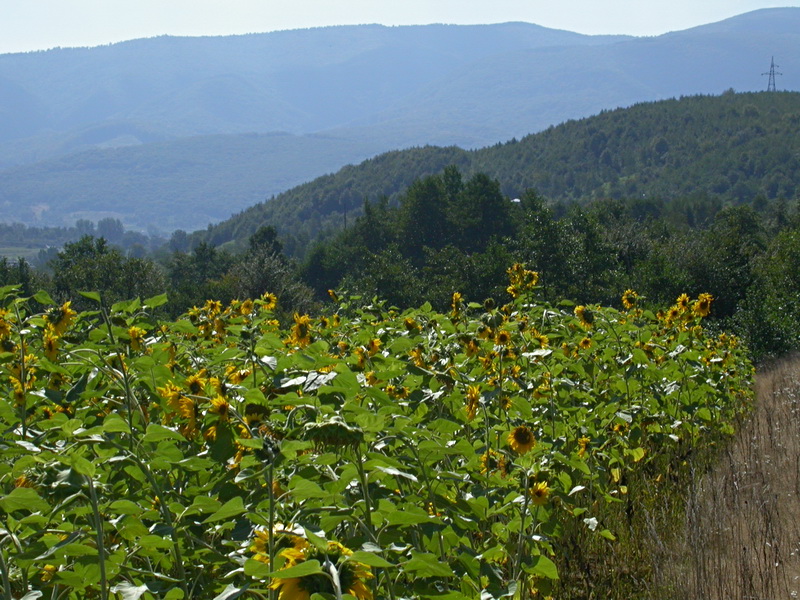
91, 265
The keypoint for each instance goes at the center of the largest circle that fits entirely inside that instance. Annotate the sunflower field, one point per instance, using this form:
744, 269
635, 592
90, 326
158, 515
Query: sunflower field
366, 453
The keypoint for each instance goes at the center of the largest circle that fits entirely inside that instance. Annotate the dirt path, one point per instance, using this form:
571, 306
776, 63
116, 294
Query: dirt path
743, 530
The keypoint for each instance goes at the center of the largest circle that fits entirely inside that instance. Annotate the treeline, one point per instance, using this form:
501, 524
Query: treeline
449, 233
188, 278
43, 242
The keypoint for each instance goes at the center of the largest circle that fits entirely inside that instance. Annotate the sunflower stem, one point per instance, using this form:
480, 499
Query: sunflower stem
334, 577
271, 530
6, 583
523, 512
101, 549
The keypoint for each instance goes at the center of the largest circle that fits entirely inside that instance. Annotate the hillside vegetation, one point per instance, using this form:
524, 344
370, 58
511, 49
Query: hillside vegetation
730, 148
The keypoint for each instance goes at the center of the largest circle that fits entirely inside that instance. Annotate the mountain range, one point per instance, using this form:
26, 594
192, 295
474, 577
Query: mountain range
168, 133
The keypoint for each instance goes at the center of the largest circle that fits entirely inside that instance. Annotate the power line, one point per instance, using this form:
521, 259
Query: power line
771, 73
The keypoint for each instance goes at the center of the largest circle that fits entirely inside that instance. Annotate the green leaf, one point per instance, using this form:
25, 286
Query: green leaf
704, 414
233, 507
370, 559
231, 592
81, 465
544, 567
128, 591
409, 515
91, 296
156, 433
397, 472
608, 535
156, 301
303, 489
424, 564
43, 297
125, 507
203, 504
113, 423
256, 569
307, 567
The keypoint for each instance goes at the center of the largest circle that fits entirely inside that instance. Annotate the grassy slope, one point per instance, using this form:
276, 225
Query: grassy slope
743, 522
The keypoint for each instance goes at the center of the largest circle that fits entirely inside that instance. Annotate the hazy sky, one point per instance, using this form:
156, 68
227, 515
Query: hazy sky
40, 24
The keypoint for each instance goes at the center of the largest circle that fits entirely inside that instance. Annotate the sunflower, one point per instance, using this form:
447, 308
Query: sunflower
629, 299
585, 343
373, 346
582, 445
543, 340
683, 302
50, 344
410, 324
456, 304
585, 316
521, 439
492, 461
246, 307
673, 313
221, 407
214, 307
352, 575
301, 331
136, 334
417, 357
702, 307
284, 538
196, 383
473, 397
540, 493
60, 318
270, 301
502, 338
5, 326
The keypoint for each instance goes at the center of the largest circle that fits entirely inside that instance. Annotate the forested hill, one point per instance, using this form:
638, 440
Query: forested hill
733, 147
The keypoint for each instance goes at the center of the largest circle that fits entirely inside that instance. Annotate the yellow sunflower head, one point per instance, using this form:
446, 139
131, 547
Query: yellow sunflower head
521, 439
540, 493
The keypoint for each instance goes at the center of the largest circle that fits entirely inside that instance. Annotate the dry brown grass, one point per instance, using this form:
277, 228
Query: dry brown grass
742, 536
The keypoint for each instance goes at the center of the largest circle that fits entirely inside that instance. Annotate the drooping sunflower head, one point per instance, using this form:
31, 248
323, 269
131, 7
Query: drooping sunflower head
583, 443
585, 315
373, 346
683, 302
50, 344
473, 399
456, 303
494, 462
521, 439
136, 335
702, 306
353, 575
